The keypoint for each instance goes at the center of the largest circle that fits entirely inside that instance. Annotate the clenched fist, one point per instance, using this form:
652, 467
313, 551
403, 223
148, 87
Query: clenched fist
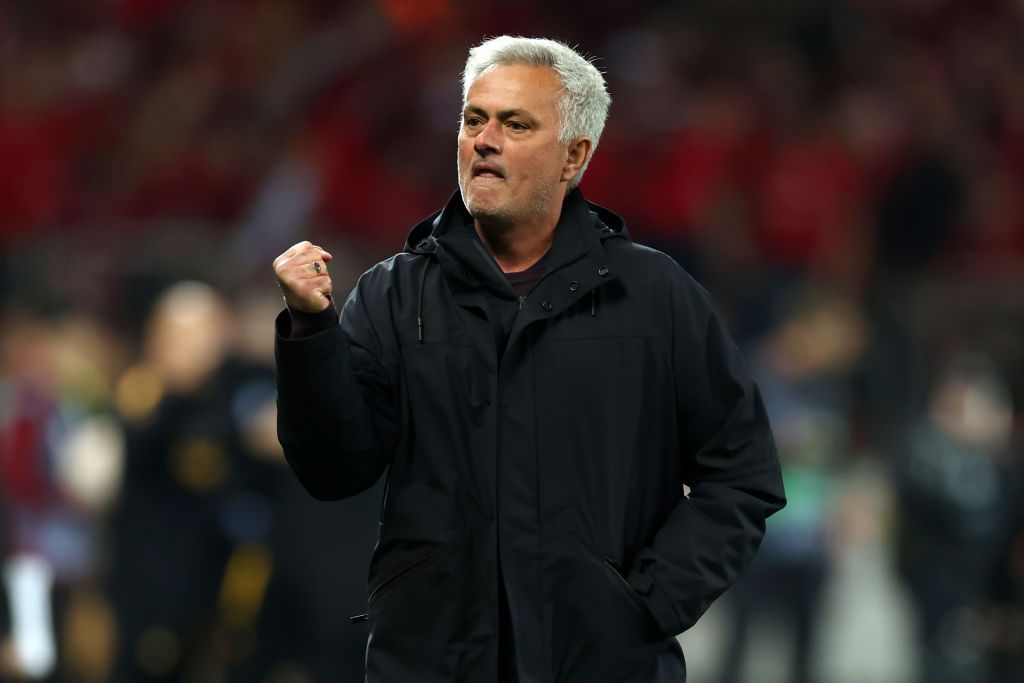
302, 274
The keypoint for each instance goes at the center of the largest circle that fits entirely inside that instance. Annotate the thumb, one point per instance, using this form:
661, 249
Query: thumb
324, 254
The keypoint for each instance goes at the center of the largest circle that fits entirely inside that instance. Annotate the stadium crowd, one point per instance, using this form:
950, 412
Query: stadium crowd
846, 178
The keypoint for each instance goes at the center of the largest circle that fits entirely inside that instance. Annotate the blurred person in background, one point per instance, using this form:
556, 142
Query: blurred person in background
542, 392
804, 368
222, 568
172, 549
319, 554
33, 503
953, 481
60, 458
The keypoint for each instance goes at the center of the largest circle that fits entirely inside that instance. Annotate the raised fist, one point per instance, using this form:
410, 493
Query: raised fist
302, 275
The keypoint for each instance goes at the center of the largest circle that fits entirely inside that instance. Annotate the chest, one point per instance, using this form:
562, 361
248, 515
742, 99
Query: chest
560, 345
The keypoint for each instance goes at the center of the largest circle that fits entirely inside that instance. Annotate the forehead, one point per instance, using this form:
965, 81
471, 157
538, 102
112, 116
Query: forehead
516, 86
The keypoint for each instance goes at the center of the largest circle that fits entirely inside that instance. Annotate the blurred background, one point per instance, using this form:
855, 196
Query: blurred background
844, 176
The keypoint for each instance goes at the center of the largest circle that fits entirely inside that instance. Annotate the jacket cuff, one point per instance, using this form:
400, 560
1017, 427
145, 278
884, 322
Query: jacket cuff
288, 346
657, 604
300, 324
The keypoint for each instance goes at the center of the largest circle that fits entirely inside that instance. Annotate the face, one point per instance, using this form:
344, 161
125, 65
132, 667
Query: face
512, 167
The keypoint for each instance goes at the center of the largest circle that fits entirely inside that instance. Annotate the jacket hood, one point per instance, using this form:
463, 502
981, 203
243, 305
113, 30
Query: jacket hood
423, 237
448, 237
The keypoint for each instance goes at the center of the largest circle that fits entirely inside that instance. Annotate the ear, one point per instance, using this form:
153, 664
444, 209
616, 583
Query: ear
578, 153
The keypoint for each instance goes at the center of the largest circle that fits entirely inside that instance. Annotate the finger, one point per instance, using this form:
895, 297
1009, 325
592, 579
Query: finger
291, 252
302, 264
324, 285
298, 247
318, 268
310, 288
311, 295
324, 254
312, 303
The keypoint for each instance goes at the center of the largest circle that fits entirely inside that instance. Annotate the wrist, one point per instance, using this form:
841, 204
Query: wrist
305, 323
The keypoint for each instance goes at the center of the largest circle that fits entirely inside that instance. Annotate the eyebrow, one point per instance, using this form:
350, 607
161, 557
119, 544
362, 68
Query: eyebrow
502, 115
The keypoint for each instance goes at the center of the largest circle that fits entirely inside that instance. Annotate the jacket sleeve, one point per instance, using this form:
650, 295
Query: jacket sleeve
730, 466
337, 414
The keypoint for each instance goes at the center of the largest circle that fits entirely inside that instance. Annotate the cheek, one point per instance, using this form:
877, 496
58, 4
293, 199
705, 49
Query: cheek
465, 149
541, 168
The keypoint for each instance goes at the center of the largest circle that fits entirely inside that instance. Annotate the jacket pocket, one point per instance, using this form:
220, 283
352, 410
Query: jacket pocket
405, 572
612, 565
608, 570
602, 629
429, 616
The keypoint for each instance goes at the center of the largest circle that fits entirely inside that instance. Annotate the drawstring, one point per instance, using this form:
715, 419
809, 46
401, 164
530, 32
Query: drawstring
593, 303
419, 301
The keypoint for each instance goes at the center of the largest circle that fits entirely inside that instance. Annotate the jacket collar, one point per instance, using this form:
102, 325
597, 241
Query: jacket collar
449, 236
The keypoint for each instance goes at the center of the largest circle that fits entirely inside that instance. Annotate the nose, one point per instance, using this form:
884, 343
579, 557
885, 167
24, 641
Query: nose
488, 140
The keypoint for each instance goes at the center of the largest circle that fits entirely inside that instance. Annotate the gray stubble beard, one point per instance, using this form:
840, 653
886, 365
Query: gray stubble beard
497, 218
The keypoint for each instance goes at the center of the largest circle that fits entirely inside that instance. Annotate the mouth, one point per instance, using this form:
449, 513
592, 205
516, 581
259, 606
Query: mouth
487, 171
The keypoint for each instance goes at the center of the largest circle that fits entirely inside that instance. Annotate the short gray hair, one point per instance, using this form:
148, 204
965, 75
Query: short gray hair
583, 107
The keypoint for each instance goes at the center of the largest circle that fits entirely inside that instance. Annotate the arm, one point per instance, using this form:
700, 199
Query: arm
731, 467
337, 416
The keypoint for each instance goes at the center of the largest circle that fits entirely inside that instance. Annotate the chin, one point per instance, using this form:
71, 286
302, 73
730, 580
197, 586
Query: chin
482, 209
490, 216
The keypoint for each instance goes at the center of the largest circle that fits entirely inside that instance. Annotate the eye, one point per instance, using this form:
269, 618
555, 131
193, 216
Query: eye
471, 121
518, 126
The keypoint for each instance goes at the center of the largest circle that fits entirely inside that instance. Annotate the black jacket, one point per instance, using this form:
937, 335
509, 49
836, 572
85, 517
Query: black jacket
552, 433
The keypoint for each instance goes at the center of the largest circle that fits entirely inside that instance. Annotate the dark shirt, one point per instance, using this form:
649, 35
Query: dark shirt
524, 280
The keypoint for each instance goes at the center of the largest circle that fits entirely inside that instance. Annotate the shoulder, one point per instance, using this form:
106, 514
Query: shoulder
383, 287
381, 293
388, 276
640, 257
389, 269
652, 271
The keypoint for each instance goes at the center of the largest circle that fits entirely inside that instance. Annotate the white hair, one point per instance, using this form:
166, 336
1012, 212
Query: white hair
583, 106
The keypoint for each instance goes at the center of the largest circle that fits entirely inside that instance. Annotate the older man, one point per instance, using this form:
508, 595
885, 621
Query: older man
541, 391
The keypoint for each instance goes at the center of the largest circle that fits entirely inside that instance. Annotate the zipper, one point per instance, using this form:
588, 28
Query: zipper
522, 302
613, 566
405, 571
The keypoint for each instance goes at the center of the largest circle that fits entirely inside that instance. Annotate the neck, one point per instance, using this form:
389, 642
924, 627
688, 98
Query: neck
517, 246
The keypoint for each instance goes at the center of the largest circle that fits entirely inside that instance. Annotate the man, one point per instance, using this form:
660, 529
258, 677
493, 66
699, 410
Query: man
539, 389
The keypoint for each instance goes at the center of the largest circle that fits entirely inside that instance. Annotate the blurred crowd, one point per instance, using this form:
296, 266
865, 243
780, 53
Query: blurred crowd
846, 177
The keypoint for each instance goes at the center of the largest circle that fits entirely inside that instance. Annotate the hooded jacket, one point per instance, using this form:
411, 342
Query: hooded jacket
597, 445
